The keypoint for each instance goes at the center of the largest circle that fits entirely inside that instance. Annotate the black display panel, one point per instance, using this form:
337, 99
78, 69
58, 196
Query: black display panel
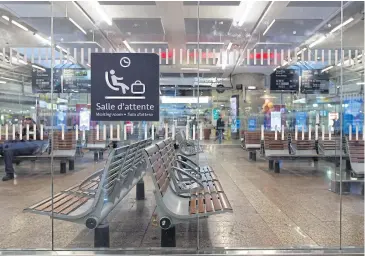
284, 80
314, 82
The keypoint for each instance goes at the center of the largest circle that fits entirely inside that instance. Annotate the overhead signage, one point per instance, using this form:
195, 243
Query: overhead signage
125, 87
314, 82
66, 80
284, 80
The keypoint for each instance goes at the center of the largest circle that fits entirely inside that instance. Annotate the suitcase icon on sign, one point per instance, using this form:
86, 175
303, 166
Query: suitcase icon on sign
138, 87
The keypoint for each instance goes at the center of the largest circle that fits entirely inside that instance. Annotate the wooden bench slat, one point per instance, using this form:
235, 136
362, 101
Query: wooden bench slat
224, 201
208, 203
193, 205
165, 186
64, 199
76, 205
216, 203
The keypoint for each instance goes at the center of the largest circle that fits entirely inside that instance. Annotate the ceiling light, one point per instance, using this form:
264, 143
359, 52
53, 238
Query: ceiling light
360, 83
302, 50
277, 68
88, 65
83, 12
19, 25
341, 25
38, 67
229, 46
2, 82
326, 69
10, 79
5, 17
43, 39
102, 13
251, 87
77, 25
268, 27
242, 12
130, 49
61, 49
319, 40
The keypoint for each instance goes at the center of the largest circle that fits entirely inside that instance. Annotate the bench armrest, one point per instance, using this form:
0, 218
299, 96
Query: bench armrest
188, 159
92, 176
189, 175
193, 170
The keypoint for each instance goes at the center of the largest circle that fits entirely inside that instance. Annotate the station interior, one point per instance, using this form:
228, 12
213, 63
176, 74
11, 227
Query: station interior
285, 79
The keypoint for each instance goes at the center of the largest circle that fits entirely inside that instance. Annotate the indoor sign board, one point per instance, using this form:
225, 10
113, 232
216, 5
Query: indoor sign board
125, 87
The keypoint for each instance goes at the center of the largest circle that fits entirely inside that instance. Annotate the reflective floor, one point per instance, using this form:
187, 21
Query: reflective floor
293, 209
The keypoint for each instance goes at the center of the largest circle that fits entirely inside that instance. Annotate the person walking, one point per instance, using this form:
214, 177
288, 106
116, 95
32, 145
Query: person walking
220, 129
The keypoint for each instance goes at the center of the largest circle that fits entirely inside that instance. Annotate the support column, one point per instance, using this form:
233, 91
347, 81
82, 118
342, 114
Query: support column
101, 235
168, 237
140, 190
71, 164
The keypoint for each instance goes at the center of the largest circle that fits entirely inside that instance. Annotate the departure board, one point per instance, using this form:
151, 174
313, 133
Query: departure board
314, 82
284, 80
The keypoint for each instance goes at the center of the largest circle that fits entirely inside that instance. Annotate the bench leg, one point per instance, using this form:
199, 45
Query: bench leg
101, 154
249, 155
168, 237
315, 161
63, 167
96, 156
115, 144
271, 165
71, 165
140, 190
348, 164
254, 156
277, 167
101, 236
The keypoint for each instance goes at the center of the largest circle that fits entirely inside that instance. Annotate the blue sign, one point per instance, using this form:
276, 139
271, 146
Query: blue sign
301, 121
125, 87
252, 123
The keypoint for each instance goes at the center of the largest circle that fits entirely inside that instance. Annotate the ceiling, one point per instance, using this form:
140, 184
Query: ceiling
216, 25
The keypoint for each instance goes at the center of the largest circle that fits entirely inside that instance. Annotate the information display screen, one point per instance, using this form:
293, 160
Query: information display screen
301, 121
314, 82
284, 80
234, 113
276, 121
64, 80
252, 124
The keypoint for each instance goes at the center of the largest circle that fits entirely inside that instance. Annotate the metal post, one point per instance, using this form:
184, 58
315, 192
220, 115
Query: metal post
63, 167
140, 190
71, 164
101, 235
168, 237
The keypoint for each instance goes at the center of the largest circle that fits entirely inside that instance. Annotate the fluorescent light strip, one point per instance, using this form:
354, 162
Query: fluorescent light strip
302, 50
2, 82
19, 25
341, 25
195, 69
326, 69
242, 16
128, 46
251, 87
38, 67
229, 46
61, 49
5, 17
268, 27
77, 25
83, 12
102, 13
10, 79
360, 83
43, 39
319, 40
88, 65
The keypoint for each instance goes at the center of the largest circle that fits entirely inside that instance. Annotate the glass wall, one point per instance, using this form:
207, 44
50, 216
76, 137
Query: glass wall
258, 141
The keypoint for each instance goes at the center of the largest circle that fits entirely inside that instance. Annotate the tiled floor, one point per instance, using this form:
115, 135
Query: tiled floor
290, 209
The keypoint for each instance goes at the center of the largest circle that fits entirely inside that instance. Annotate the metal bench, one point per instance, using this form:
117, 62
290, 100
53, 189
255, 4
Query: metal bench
355, 149
63, 150
205, 200
91, 201
183, 184
187, 147
252, 143
96, 145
